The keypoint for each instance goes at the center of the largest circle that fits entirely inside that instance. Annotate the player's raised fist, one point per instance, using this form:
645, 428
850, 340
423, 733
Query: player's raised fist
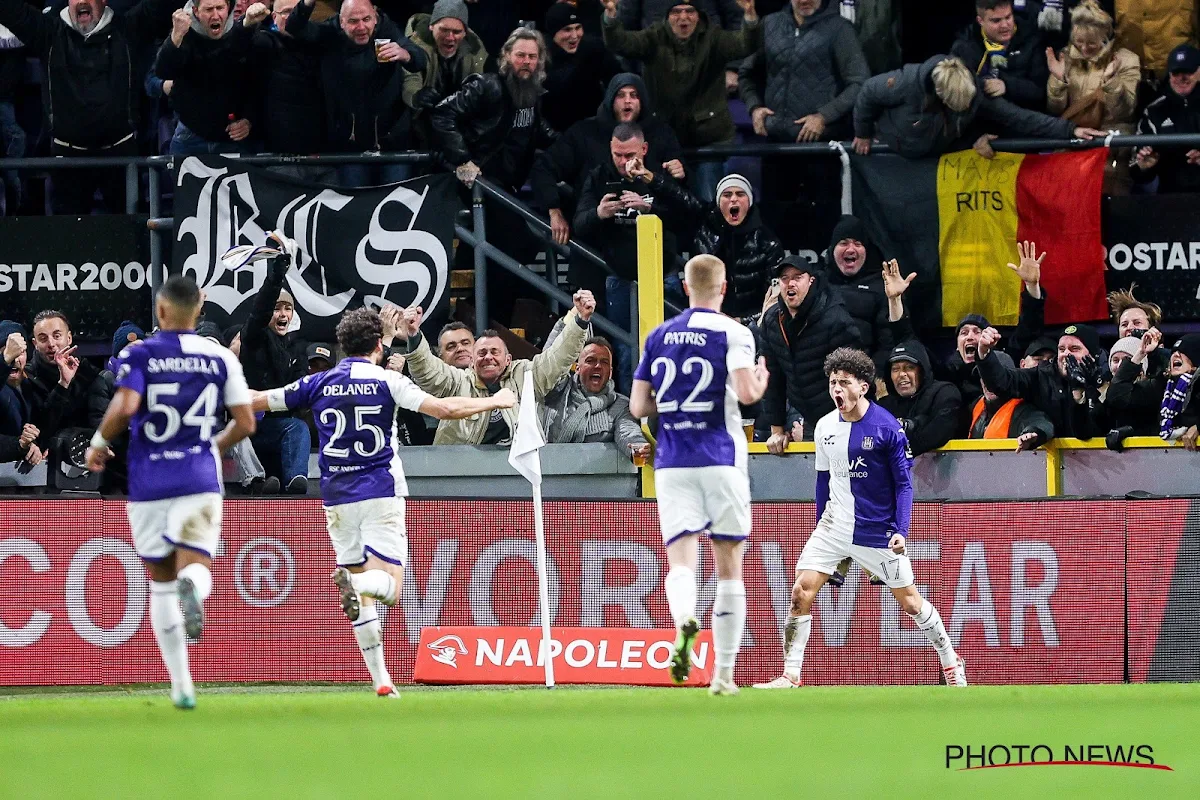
505, 398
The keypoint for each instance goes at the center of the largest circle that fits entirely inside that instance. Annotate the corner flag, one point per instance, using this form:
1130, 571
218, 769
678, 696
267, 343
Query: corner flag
523, 454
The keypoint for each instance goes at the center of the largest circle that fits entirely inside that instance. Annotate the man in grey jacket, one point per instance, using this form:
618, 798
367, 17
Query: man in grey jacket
929, 109
585, 407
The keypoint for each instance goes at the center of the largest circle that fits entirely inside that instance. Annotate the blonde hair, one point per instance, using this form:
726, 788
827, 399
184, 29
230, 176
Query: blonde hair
704, 275
1089, 14
954, 84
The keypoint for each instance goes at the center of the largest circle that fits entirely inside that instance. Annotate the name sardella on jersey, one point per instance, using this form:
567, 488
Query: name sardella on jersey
185, 381
354, 405
689, 360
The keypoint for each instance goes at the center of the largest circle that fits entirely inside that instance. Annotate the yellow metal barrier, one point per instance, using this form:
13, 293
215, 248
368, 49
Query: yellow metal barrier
650, 302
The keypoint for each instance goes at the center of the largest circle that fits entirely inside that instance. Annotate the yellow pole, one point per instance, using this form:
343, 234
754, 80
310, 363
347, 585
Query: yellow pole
1053, 470
650, 301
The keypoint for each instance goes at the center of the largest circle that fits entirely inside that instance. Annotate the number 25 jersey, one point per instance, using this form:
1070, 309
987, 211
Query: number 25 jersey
689, 360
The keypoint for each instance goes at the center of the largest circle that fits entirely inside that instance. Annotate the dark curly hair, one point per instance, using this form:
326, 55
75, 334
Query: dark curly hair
359, 332
852, 361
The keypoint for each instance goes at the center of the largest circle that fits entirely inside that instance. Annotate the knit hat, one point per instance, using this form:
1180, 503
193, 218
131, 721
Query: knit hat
675, 3
559, 16
1130, 345
1086, 334
1189, 345
126, 333
286, 297
736, 181
454, 9
978, 320
8, 328
1005, 360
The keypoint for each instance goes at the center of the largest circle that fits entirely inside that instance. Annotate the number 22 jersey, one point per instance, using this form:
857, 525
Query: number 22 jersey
689, 360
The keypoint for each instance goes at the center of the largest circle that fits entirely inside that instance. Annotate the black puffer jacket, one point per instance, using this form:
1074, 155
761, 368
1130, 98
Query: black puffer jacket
290, 71
795, 349
473, 124
585, 145
575, 82
1046, 389
1025, 72
931, 417
1173, 171
268, 359
750, 252
363, 109
862, 292
1134, 400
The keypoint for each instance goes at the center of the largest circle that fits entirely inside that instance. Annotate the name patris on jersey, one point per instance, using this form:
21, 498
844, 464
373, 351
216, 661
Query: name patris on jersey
185, 382
354, 405
689, 360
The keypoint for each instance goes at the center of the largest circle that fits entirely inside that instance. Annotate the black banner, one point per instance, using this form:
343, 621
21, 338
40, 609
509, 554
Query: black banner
93, 269
357, 246
1154, 241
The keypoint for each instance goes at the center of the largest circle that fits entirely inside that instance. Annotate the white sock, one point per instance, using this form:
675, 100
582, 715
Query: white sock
167, 621
680, 585
369, 634
930, 622
728, 624
375, 583
200, 577
795, 639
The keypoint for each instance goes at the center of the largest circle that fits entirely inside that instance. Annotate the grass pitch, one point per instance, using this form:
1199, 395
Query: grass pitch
589, 743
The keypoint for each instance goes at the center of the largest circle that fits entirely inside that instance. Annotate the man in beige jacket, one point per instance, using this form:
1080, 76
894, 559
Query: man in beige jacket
492, 369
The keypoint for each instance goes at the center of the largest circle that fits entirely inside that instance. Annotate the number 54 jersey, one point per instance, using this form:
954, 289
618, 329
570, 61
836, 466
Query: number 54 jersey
689, 360
354, 405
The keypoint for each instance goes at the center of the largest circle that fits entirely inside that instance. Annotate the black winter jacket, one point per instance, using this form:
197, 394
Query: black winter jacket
1046, 389
750, 252
1171, 114
53, 408
575, 82
795, 349
900, 109
1026, 72
268, 359
209, 75
1134, 401
363, 110
473, 123
932, 416
862, 293
91, 92
585, 145
292, 100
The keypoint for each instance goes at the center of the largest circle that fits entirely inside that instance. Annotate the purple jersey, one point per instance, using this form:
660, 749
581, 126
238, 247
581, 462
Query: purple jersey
185, 381
868, 466
690, 360
354, 405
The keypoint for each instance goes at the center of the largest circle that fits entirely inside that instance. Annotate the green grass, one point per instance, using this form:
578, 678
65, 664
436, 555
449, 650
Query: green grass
585, 743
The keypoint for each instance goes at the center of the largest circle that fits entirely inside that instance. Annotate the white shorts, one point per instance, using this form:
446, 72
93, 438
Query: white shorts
192, 522
368, 527
827, 546
698, 499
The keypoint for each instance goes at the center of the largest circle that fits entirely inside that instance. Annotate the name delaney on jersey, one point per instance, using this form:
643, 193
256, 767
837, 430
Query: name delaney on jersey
968, 757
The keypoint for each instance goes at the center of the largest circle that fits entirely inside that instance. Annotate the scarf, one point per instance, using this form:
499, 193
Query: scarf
1174, 400
591, 417
995, 56
848, 10
1051, 16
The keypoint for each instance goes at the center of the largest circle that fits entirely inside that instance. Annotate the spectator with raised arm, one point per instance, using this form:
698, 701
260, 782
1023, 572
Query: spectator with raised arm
684, 58
851, 267
1167, 170
18, 436
579, 70
364, 58
996, 417
453, 53
492, 369
1131, 399
91, 90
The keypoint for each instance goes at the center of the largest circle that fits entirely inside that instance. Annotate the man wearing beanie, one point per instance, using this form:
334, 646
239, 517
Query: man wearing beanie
270, 357
579, 70
852, 265
127, 333
734, 232
1067, 389
454, 51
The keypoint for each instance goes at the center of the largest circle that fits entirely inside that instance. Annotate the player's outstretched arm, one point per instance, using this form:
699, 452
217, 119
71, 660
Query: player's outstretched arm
241, 426
124, 405
260, 401
641, 401
463, 407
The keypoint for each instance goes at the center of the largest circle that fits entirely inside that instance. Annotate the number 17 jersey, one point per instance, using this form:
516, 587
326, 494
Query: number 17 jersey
690, 360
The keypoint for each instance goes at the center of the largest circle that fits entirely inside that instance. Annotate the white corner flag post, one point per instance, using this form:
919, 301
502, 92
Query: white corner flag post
525, 459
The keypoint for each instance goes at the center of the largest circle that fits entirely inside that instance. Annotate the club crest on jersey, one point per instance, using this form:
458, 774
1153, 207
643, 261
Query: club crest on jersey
868, 443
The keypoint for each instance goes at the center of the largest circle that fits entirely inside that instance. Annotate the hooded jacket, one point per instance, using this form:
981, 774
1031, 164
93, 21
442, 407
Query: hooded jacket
932, 415
442, 380
797, 70
686, 78
750, 252
91, 93
901, 110
363, 110
290, 78
796, 348
1171, 114
1026, 72
576, 82
268, 359
420, 91
473, 124
209, 74
862, 293
585, 145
